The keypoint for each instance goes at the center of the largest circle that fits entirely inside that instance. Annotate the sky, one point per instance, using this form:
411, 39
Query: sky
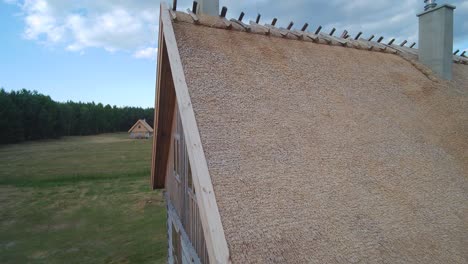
105, 50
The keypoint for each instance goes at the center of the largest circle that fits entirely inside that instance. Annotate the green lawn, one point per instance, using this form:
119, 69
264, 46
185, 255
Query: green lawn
80, 200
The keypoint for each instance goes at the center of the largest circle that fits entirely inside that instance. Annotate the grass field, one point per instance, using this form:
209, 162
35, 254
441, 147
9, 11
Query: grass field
80, 200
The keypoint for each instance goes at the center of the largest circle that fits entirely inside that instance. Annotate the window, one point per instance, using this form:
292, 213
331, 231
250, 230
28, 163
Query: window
176, 246
176, 159
189, 176
139, 126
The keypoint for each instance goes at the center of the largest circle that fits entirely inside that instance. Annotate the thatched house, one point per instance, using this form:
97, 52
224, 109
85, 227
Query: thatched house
141, 129
285, 146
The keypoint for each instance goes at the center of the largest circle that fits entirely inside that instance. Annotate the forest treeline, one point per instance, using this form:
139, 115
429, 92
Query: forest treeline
29, 115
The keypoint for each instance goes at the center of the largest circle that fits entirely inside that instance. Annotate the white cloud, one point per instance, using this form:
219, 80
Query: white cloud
114, 30
131, 25
40, 21
463, 6
112, 25
146, 53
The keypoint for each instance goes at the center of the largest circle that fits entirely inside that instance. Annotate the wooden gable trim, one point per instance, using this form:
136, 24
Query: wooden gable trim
209, 214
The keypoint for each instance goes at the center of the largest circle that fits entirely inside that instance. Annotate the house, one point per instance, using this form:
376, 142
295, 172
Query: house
141, 129
277, 145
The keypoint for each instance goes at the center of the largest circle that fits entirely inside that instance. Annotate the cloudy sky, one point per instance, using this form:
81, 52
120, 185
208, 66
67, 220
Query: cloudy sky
104, 50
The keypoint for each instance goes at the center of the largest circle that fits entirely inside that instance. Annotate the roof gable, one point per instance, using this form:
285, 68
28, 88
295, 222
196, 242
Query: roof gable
172, 82
142, 123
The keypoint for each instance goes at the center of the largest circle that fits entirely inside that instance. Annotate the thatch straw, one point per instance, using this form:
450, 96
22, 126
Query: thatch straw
326, 154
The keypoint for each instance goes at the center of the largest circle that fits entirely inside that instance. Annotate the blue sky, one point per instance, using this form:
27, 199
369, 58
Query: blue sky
104, 50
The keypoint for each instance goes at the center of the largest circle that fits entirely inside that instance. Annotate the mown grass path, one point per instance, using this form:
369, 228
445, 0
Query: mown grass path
80, 200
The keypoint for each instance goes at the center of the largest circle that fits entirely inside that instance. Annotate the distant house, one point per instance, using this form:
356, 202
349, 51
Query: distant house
141, 129
276, 145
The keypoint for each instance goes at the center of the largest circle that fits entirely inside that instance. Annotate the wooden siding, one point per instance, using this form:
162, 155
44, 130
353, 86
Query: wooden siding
164, 112
180, 190
140, 129
189, 254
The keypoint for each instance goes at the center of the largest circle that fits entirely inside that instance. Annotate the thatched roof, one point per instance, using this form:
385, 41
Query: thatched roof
328, 154
143, 123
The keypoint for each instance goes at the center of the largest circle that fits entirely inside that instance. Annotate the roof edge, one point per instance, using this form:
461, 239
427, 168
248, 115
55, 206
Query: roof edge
213, 230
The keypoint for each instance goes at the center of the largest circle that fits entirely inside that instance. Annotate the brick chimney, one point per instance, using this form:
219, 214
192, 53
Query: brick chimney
436, 38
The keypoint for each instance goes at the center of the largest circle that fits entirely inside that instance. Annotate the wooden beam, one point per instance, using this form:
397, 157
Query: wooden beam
332, 31
325, 37
380, 39
277, 31
223, 11
378, 45
174, 5
298, 34
304, 28
173, 14
344, 34
258, 18
314, 38
370, 38
455, 53
357, 36
338, 40
227, 23
391, 41
195, 18
273, 23
291, 24
244, 26
213, 231
257, 28
412, 45
403, 50
318, 30
194, 7
403, 43
365, 44
241, 16
463, 54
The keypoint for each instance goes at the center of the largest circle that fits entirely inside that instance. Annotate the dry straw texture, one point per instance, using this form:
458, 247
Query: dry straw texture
325, 154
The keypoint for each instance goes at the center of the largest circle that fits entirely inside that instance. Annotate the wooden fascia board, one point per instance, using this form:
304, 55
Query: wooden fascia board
216, 243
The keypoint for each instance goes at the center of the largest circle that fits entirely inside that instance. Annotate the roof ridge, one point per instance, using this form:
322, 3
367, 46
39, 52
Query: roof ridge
345, 40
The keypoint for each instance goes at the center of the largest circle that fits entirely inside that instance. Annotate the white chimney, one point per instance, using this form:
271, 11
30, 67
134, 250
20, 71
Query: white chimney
436, 38
209, 7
